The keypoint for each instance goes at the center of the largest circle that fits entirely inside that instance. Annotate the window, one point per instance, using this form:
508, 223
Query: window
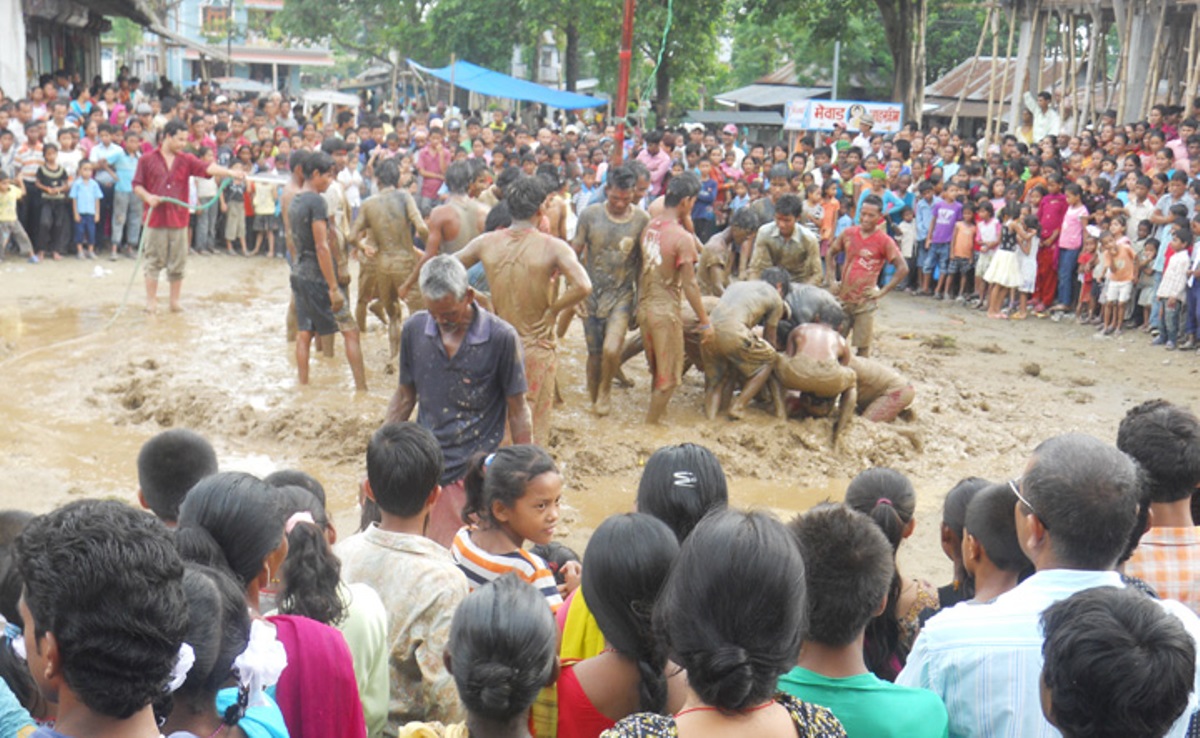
214, 20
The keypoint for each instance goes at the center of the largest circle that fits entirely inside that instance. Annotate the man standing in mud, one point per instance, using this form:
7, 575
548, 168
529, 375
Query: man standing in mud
389, 218
668, 271
606, 238
463, 366
521, 263
453, 224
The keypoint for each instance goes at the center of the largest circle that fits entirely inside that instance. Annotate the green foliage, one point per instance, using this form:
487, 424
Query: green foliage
369, 28
126, 35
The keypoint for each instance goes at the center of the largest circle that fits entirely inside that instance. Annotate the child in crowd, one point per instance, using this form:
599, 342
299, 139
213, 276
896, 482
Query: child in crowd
1027, 262
233, 205
704, 217
1146, 281
1172, 288
887, 497
1120, 263
811, 213
1004, 273
987, 240
845, 217
991, 551
961, 257
1085, 306
417, 579
264, 197
170, 464
56, 218
85, 197
906, 239
848, 570
587, 189
954, 517
514, 495
104, 616
1114, 664
741, 195
830, 209
11, 192
126, 206
205, 221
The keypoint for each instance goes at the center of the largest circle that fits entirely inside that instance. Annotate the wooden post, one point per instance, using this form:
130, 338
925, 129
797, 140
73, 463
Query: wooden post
971, 69
1123, 62
1069, 88
1012, 26
1193, 76
987, 123
1090, 84
1155, 63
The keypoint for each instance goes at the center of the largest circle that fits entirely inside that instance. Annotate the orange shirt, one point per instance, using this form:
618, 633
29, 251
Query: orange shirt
962, 246
1121, 264
829, 216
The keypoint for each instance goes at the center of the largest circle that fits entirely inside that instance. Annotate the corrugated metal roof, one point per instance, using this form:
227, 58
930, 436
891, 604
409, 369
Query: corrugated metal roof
769, 96
976, 80
737, 117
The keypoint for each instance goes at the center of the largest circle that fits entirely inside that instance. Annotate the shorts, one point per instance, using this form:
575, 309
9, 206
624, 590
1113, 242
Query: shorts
983, 260
662, 334
314, 311
595, 329
541, 372
85, 230
958, 265
827, 379
235, 222
166, 248
936, 256
738, 346
265, 223
862, 322
1118, 292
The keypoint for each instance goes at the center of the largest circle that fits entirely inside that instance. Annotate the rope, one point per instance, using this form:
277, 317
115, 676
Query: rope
662, 49
128, 287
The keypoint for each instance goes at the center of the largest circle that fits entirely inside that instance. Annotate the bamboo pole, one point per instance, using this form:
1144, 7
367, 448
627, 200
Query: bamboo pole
987, 123
1193, 61
962, 93
1089, 83
1072, 72
1012, 25
1152, 90
1123, 62
1107, 89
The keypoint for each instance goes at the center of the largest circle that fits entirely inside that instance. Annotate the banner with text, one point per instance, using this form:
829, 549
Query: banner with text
821, 115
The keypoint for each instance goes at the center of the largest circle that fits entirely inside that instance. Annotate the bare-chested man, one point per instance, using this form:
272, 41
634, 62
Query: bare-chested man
521, 264
453, 224
389, 219
340, 216
606, 239
737, 347
816, 368
882, 391
668, 270
718, 255
554, 212
290, 190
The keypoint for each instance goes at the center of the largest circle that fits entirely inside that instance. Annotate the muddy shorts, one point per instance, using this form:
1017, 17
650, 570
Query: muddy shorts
235, 223
826, 379
886, 407
541, 370
662, 334
862, 322
743, 350
166, 248
314, 311
594, 329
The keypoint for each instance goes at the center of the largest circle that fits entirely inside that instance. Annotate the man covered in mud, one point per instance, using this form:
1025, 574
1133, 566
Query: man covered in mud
521, 264
668, 272
718, 255
606, 239
784, 243
814, 371
883, 393
293, 187
384, 229
452, 224
463, 366
321, 302
738, 348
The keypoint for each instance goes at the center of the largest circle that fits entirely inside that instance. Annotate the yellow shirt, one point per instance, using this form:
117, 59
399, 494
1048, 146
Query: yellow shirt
8, 204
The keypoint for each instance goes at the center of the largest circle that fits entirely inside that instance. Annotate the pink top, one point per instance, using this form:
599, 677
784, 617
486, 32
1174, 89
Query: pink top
577, 716
1071, 237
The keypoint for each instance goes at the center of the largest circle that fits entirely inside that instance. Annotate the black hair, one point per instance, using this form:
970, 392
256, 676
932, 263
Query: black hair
556, 555
333, 145
173, 127
317, 162
297, 159
503, 648
779, 171
628, 559
654, 136
106, 581
297, 478
498, 217
458, 177
789, 205
502, 477
990, 521
1086, 494
232, 520
777, 277
954, 507
1115, 664
387, 173
680, 188
168, 465
505, 179
1164, 439
680, 485
873, 200
621, 178
848, 570
311, 572
13, 669
525, 197
887, 497
745, 220
404, 464
732, 611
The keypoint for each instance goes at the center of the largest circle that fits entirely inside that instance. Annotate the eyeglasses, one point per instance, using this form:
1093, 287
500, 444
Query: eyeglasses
1015, 486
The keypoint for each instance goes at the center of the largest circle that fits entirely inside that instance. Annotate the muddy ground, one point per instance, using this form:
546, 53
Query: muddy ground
80, 399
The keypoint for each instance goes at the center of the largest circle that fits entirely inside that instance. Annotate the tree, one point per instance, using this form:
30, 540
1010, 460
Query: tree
369, 28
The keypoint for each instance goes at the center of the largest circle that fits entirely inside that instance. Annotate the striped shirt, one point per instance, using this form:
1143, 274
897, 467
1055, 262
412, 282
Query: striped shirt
985, 661
482, 566
1168, 559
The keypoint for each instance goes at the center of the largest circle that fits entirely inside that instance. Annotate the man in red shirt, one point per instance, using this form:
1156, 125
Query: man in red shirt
161, 174
868, 247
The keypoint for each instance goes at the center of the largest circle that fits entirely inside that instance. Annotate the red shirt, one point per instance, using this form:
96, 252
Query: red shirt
153, 175
865, 258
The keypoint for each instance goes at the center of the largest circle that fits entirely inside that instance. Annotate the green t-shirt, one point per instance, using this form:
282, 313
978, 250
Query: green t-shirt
869, 707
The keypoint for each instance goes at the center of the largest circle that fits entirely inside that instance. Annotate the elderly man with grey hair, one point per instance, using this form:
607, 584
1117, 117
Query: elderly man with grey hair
1075, 509
462, 365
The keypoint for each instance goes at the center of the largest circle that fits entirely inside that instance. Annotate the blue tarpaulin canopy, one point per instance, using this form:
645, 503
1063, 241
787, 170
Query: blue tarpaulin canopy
494, 84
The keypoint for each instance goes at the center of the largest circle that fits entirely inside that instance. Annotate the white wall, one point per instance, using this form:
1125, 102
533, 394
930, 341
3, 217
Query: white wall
12, 48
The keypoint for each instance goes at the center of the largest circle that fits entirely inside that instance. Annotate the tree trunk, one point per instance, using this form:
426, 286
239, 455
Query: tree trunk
572, 54
662, 91
904, 23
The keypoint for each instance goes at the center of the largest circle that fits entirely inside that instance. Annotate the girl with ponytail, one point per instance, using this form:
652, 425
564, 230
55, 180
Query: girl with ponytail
887, 497
627, 562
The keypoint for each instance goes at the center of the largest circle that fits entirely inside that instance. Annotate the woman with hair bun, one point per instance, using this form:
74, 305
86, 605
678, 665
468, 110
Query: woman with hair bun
732, 614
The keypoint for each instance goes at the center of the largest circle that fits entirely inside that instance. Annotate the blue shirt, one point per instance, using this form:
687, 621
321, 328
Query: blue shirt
463, 400
985, 661
87, 195
125, 166
843, 223
924, 212
703, 209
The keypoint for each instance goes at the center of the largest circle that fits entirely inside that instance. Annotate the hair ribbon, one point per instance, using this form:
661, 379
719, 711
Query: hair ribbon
304, 516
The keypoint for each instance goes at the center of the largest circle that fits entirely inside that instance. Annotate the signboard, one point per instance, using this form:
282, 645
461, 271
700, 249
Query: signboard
821, 115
